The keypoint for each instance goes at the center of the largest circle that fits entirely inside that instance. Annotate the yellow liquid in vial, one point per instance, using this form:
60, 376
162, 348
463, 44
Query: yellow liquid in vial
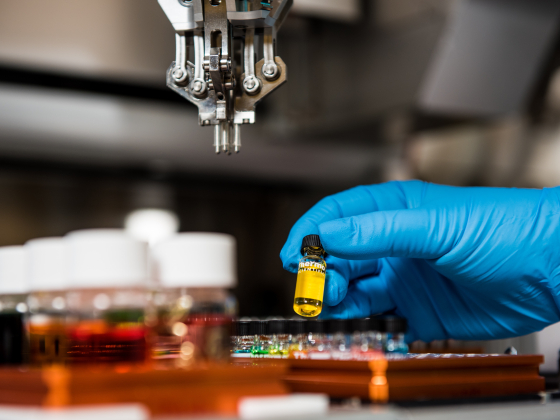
310, 286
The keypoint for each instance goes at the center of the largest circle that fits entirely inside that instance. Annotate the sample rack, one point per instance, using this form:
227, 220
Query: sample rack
414, 376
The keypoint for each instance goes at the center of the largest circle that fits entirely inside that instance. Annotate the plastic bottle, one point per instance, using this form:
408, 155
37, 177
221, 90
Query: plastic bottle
395, 329
279, 338
243, 339
298, 339
308, 300
13, 306
47, 300
339, 339
194, 308
317, 343
107, 297
261, 341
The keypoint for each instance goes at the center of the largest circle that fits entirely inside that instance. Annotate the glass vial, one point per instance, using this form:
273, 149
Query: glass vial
106, 298
308, 300
317, 340
395, 329
242, 339
261, 341
194, 309
377, 337
279, 339
339, 339
299, 347
47, 301
14, 343
364, 340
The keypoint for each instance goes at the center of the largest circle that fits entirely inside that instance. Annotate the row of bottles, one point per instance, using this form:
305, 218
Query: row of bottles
356, 339
101, 296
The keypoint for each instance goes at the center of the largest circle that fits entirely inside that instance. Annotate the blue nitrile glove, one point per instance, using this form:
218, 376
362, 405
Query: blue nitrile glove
463, 263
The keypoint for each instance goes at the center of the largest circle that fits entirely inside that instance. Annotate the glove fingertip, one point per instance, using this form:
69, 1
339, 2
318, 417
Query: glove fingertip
337, 236
331, 295
289, 263
290, 267
331, 230
335, 288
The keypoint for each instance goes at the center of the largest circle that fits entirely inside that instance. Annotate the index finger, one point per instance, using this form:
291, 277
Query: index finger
359, 200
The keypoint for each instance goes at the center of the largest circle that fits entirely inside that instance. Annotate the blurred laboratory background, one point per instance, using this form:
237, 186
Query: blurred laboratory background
461, 92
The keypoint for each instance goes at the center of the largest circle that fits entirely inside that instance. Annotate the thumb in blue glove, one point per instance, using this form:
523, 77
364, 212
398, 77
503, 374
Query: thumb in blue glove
464, 263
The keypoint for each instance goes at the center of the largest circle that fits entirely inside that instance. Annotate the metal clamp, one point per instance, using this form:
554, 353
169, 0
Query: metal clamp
251, 84
209, 81
180, 74
216, 58
198, 85
270, 69
222, 138
236, 137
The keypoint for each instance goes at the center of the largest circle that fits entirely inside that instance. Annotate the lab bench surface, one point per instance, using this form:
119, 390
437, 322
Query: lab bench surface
534, 410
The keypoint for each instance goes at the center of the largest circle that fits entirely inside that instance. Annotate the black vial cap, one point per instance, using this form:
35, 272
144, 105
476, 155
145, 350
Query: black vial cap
376, 324
395, 324
317, 326
310, 240
338, 326
258, 327
277, 326
297, 326
241, 328
361, 325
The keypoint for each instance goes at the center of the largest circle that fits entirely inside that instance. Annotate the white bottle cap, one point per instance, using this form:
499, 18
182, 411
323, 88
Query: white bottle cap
197, 260
46, 269
105, 258
12, 270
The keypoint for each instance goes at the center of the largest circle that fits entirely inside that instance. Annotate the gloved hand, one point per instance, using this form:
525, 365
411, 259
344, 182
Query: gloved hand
462, 263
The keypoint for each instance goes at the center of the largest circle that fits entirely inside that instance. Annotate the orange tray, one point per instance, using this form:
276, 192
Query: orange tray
210, 389
422, 376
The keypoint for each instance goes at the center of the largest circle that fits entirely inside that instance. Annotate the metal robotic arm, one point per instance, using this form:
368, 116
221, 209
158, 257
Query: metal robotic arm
222, 79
